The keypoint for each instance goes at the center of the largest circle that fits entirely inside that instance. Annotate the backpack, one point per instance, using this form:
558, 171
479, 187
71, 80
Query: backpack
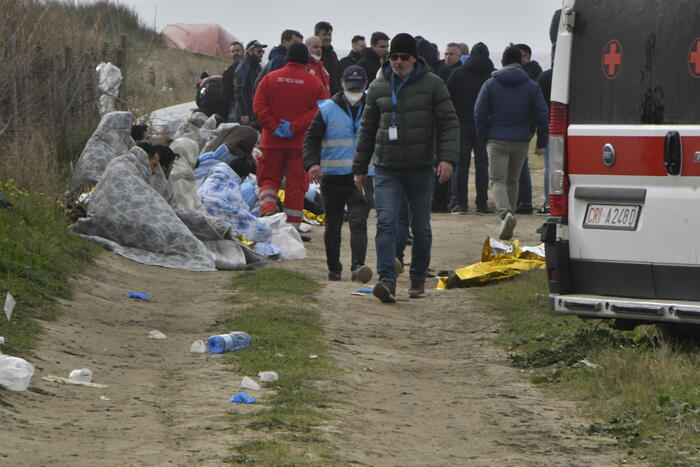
210, 96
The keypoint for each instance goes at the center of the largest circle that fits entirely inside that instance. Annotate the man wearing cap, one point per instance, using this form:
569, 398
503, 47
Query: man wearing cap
245, 76
408, 110
285, 103
329, 147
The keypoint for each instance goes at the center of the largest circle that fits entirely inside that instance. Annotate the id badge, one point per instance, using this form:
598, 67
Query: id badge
393, 133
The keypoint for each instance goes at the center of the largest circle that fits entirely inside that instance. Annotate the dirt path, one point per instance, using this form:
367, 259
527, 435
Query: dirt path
424, 383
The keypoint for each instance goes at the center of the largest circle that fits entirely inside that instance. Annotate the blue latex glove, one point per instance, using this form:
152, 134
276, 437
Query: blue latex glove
284, 130
243, 398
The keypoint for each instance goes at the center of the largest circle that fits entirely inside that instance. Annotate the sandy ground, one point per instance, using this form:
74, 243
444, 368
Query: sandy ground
423, 382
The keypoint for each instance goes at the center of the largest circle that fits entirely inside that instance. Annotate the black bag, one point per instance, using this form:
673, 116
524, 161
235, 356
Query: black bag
210, 97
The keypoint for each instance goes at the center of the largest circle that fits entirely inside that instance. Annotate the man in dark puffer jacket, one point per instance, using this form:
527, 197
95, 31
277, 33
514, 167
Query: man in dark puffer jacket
407, 111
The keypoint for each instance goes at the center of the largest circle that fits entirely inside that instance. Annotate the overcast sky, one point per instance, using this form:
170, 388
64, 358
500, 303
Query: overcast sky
494, 22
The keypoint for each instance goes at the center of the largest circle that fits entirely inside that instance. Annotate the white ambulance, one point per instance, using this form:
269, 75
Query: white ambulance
623, 241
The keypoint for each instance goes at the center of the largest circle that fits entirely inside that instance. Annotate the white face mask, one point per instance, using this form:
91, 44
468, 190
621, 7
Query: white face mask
316, 57
353, 97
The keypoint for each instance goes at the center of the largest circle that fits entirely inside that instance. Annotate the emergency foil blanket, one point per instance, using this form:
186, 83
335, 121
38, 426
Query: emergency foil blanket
498, 261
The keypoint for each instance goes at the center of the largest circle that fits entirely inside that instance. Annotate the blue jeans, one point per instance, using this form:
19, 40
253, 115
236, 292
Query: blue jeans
525, 186
390, 188
460, 181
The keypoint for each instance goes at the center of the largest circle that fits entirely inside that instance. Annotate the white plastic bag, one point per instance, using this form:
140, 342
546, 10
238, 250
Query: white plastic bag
15, 373
268, 376
198, 347
84, 375
285, 237
109, 78
249, 383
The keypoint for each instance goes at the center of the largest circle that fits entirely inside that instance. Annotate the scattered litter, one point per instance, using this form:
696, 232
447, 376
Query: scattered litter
15, 373
157, 335
280, 355
249, 383
83, 375
303, 228
105, 398
359, 294
198, 347
9, 305
313, 357
228, 342
364, 290
587, 364
2, 340
58, 379
242, 398
268, 376
137, 295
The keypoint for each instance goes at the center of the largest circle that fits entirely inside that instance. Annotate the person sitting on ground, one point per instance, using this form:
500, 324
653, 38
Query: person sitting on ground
237, 141
329, 147
139, 133
182, 176
166, 158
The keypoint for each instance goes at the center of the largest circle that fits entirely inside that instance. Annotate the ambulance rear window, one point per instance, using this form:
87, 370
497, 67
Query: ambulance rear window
635, 62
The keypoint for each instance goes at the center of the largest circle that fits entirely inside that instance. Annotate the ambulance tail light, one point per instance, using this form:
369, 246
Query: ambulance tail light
558, 180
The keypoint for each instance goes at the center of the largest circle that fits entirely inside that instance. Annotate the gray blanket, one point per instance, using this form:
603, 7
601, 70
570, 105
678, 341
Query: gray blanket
110, 139
131, 213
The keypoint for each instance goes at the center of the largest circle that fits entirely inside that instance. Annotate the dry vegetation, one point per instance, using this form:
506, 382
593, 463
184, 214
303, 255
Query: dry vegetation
48, 83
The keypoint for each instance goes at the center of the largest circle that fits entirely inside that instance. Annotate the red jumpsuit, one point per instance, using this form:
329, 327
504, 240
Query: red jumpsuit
290, 93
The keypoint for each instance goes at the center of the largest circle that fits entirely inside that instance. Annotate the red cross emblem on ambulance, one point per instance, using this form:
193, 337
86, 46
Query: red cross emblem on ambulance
612, 59
694, 58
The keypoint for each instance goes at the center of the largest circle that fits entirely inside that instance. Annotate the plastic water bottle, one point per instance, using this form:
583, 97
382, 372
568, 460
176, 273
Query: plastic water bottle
228, 342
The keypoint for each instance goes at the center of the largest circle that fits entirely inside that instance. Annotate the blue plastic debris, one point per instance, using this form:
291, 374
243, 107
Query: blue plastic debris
137, 295
242, 398
365, 290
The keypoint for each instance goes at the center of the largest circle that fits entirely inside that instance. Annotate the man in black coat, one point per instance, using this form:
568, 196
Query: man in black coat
246, 73
358, 45
229, 80
464, 85
324, 31
374, 56
451, 61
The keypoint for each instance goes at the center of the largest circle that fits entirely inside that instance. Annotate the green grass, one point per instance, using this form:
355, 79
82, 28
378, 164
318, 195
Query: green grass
38, 256
281, 315
645, 391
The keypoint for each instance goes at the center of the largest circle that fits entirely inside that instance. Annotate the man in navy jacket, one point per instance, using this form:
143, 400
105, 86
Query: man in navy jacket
507, 105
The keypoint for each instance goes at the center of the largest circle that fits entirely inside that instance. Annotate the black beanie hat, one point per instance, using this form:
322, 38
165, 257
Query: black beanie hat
298, 53
403, 44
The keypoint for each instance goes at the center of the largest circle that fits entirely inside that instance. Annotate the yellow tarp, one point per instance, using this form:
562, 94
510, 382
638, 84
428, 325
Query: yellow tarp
495, 265
309, 217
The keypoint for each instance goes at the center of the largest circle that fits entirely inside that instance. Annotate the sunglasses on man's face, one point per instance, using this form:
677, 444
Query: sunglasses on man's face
403, 57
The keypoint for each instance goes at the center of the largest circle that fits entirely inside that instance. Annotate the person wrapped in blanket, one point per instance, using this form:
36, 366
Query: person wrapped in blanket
218, 179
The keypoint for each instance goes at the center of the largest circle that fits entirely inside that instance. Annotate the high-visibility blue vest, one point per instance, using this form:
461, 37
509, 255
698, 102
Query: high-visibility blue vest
338, 145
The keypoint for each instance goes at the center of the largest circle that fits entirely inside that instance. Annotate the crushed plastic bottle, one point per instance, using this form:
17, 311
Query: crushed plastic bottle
228, 342
249, 383
83, 375
198, 347
157, 335
15, 373
268, 376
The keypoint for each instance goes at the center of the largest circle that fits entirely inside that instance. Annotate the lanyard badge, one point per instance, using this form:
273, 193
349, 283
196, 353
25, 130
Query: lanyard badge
393, 129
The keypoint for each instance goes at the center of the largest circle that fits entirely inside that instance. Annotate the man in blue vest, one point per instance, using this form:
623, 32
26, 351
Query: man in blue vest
329, 147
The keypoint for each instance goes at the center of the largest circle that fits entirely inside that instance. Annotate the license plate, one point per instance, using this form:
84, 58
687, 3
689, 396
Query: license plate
611, 216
